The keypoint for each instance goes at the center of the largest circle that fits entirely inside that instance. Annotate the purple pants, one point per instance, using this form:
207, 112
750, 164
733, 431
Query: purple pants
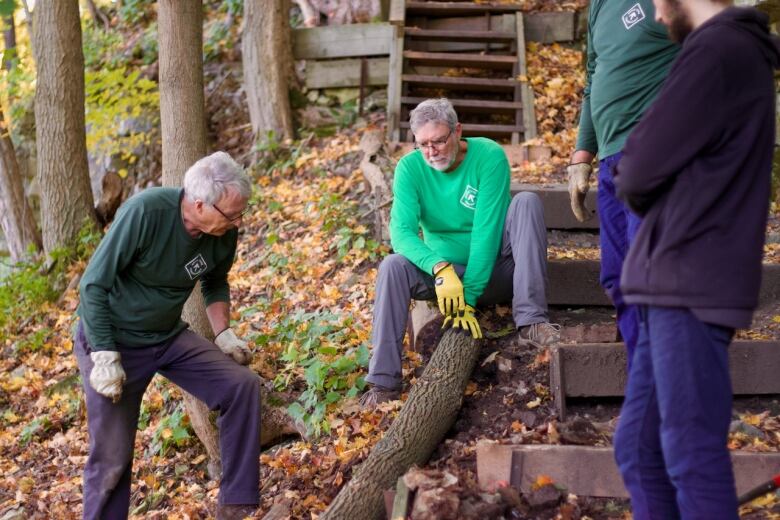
200, 368
618, 228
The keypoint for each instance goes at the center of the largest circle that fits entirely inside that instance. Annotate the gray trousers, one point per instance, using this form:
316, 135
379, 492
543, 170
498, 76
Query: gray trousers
519, 276
200, 368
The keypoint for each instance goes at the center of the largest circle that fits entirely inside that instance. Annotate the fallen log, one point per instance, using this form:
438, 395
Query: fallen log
425, 418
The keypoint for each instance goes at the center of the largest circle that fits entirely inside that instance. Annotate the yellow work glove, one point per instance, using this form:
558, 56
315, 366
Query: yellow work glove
449, 291
579, 177
466, 321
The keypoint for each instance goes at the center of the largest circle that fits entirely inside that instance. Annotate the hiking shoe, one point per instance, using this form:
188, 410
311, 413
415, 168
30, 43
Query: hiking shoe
235, 511
377, 395
543, 333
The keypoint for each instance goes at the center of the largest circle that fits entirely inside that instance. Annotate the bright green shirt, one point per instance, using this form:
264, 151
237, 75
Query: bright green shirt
461, 213
135, 286
629, 56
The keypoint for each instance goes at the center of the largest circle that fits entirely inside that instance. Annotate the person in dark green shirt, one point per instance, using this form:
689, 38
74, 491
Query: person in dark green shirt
629, 56
163, 241
478, 246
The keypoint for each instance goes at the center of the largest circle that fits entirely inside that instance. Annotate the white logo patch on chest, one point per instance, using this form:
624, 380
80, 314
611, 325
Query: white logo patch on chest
196, 266
469, 197
633, 16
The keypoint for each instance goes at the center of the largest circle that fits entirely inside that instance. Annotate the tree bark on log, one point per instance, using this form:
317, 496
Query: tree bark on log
268, 66
16, 214
377, 168
60, 135
425, 418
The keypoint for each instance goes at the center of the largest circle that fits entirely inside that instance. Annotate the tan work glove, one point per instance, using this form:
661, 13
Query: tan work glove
579, 177
466, 321
449, 291
231, 345
107, 376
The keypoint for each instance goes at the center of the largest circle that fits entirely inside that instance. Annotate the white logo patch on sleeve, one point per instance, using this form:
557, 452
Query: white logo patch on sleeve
469, 197
633, 16
196, 266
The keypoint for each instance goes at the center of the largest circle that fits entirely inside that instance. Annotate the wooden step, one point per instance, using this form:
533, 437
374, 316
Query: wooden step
458, 35
472, 105
418, 8
455, 59
474, 129
460, 83
599, 370
588, 470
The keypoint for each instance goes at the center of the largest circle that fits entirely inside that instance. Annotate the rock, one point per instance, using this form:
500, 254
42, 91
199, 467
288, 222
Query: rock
546, 496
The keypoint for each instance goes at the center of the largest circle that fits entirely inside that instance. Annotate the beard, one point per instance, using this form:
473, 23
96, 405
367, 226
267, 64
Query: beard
680, 25
442, 163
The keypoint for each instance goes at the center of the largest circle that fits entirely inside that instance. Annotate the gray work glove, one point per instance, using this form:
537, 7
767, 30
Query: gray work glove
231, 345
107, 376
579, 177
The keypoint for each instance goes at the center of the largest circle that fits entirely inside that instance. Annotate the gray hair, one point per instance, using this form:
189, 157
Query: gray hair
212, 176
437, 110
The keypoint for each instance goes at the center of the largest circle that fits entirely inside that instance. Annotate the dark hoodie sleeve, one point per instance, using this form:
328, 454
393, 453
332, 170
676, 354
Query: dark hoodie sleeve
682, 121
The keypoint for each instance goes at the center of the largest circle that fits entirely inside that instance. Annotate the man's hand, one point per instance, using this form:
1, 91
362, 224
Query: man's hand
107, 376
466, 321
579, 177
449, 291
231, 345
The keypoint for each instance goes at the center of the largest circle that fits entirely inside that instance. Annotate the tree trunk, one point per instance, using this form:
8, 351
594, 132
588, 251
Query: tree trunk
183, 124
9, 37
426, 416
16, 215
63, 172
98, 16
268, 66
377, 168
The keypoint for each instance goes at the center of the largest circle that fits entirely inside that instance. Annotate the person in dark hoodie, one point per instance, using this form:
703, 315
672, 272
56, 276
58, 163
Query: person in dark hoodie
697, 169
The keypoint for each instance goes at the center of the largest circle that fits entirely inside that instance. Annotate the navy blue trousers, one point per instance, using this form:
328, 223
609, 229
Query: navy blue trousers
200, 368
618, 229
670, 443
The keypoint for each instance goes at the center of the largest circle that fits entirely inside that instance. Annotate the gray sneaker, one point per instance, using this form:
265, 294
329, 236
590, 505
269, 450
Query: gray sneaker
543, 333
377, 395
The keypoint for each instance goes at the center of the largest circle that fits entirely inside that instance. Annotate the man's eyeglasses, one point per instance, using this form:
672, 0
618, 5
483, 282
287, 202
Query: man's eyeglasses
231, 219
438, 143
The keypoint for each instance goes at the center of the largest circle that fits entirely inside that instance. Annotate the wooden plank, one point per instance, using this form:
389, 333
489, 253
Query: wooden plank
527, 94
473, 104
342, 41
455, 59
550, 27
461, 83
397, 15
459, 35
473, 129
591, 471
401, 501
557, 206
395, 70
427, 8
599, 369
345, 72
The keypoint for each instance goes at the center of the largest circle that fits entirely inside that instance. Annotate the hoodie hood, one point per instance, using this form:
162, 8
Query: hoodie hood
753, 22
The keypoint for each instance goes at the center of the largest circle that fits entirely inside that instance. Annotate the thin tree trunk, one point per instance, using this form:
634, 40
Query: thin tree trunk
428, 413
9, 37
28, 17
267, 57
63, 172
98, 16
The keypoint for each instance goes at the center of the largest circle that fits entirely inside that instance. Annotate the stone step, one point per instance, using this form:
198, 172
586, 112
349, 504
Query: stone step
599, 370
557, 206
590, 471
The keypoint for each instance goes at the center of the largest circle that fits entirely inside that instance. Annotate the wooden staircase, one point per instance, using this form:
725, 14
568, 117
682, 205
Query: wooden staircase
473, 54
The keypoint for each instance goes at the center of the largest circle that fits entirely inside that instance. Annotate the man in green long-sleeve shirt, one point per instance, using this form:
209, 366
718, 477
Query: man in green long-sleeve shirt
163, 241
629, 56
478, 247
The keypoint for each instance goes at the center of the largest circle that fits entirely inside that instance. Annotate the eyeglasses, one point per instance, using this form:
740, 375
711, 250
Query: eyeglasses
231, 219
437, 144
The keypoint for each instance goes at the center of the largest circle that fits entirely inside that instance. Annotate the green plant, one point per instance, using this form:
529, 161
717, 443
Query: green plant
173, 430
275, 156
133, 11
314, 346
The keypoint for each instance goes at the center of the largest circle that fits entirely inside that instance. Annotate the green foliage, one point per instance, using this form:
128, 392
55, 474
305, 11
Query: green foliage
36, 428
133, 11
7, 7
314, 344
116, 100
275, 156
173, 430
101, 48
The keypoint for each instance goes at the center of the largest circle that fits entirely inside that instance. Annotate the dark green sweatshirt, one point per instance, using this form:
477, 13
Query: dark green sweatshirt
629, 55
145, 268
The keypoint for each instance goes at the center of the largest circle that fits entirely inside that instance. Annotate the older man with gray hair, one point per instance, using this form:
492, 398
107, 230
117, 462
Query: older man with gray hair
162, 242
478, 245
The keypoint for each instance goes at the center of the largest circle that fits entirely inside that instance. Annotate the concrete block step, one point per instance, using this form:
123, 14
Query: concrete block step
590, 471
557, 207
599, 370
